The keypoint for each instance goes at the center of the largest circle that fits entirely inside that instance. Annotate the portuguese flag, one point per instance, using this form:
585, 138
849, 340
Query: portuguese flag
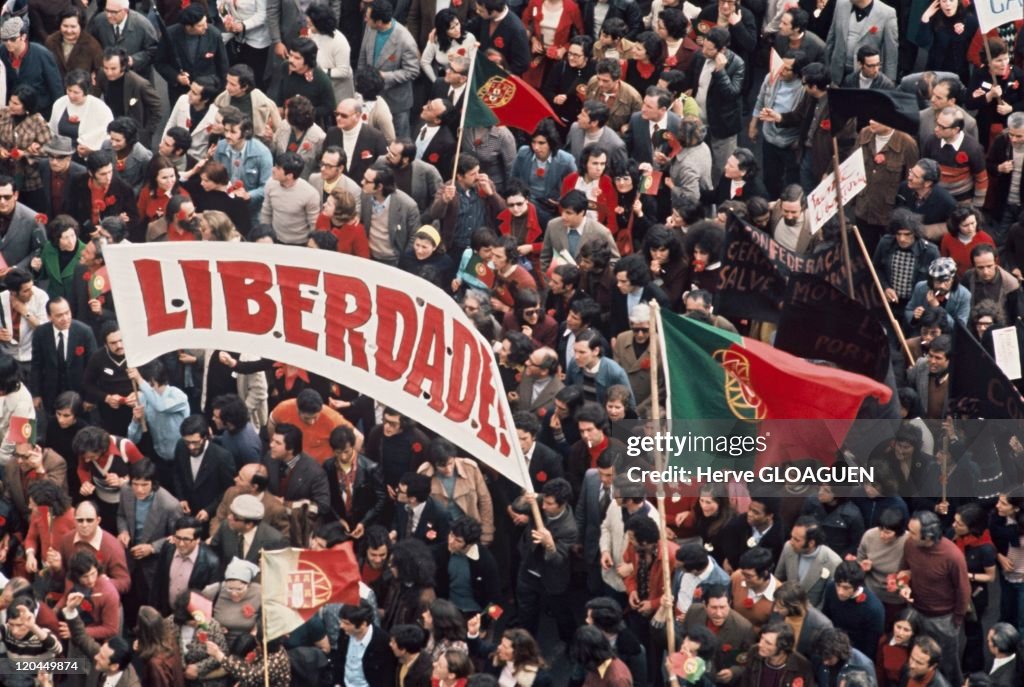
99, 284
716, 375
297, 582
22, 430
497, 97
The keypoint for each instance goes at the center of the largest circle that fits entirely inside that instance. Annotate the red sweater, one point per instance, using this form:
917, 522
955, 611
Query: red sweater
106, 608
952, 247
110, 557
938, 579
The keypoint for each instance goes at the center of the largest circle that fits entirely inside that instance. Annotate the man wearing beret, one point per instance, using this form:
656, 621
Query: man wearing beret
246, 534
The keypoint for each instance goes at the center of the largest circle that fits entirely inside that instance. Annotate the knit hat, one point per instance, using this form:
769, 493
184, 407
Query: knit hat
12, 28
427, 231
239, 569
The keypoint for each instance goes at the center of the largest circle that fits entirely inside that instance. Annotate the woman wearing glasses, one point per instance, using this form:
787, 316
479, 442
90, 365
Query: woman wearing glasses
236, 600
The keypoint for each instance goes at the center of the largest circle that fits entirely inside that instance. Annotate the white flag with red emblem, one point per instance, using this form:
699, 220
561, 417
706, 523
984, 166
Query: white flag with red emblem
298, 582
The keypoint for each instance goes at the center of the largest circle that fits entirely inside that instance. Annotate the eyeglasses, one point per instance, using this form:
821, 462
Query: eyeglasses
85, 520
641, 330
328, 166
23, 456
183, 540
516, 205
575, 54
235, 590
531, 311
6, 196
945, 128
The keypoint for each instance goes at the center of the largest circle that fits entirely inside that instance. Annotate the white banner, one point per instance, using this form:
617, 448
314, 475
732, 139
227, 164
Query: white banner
822, 202
994, 13
377, 329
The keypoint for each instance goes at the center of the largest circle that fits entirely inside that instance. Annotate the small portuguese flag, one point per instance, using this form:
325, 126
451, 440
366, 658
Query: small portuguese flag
99, 284
717, 375
497, 97
22, 430
481, 270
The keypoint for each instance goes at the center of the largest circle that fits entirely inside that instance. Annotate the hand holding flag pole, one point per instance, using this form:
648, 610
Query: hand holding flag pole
661, 465
897, 330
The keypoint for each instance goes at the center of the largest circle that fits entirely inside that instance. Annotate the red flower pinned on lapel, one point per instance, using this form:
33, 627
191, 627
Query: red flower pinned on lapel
431, 535
185, 3
748, 603
738, 193
799, 681
392, 58
120, 165
209, 56
726, 648
671, 61
73, 119
292, 147
461, 52
873, 29
477, 141
826, 125
42, 219
248, 611
541, 172
499, 42
417, 447
961, 158
880, 159
86, 605
645, 364
542, 411
542, 476
304, 31
250, 657
306, 145
365, 118
110, 200
79, 351
433, 158
15, 153
698, 593
494, 611
365, 155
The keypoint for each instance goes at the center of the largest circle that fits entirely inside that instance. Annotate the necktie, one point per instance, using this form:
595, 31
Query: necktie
15, 324
574, 242
241, 547
423, 134
451, 94
605, 501
60, 347
283, 478
117, 34
408, 522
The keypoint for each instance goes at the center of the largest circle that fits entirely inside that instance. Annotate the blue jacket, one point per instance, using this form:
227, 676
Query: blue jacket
957, 306
560, 165
38, 69
609, 374
164, 414
257, 163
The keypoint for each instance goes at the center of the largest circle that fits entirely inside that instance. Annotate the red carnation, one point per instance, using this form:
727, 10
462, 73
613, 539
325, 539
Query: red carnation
431, 535
542, 476
671, 61
79, 351
861, 598
110, 200
433, 157
456, 3
86, 605
541, 412
873, 29
15, 153
826, 125
748, 603
188, 122
880, 159
185, 3
738, 193
120, 165
250, 657
41, 218
203, 636
461, 52
799, 681
499, 42
417, 447
726, 648
477, 141
366, 155
248, 611
306, 146
541, 172
698, 593
304, 31
961, 158
73, 119
645, 364
98, 206
494, 611
292, 147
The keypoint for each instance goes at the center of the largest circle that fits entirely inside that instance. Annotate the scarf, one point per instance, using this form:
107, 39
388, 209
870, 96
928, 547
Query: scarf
970, 541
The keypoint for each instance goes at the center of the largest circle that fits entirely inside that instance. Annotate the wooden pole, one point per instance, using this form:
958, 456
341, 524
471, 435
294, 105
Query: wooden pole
462, 117
660, 465
881, 291
263, 613
988, 61
842, 214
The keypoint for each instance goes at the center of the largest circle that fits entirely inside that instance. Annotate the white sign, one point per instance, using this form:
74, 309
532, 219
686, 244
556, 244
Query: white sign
1007, 351
822, 202
371, 327
994, 13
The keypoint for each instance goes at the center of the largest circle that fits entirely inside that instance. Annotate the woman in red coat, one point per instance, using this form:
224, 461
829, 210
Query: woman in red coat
594, 182
550, 25
894, 649
519, 220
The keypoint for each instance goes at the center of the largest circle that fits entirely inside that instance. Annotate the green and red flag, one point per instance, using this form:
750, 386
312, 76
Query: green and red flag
99, 283
717, 375
482, 270
497, 97
297, 582
22, 430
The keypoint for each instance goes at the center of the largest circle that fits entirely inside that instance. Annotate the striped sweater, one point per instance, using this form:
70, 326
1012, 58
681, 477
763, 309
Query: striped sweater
963, 171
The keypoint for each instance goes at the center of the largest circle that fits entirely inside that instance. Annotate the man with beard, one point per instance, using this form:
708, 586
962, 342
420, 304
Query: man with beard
106, 383
776, 653
789, 223
419, 179
203, 470
903, 256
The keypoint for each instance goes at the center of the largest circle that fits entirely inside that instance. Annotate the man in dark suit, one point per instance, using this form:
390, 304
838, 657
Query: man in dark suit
634, 285
479, 584
294, 476
408, 643
595, 498
24, 236
540, 381
57, 172
203, 470
543, 462
60, 350
127, 30
419, 516
435, 143
117, 197
188, 551
246, 534
361, 142
1004, 643
419, 180
403, 218
508, 38
357, 501
734, 632
453, 89
188, 49
128, 94
377, 667
759, 526
646, 138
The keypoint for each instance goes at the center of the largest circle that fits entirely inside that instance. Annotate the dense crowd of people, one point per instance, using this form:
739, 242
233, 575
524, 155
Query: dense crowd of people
132, 494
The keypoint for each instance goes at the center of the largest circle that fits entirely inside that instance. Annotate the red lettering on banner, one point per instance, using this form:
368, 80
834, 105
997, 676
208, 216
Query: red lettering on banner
290, 280
200, 292
343, 324
392, 305
464, 350
429, 363
245, 283
151, 284
487, 432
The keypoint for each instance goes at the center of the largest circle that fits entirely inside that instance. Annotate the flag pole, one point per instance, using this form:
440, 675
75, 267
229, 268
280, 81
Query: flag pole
842, 214
263, 613
885, 302
660, 466
462, 116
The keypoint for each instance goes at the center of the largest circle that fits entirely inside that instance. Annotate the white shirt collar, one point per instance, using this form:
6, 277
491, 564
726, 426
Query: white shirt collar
1000, 662
97, 539
365, 641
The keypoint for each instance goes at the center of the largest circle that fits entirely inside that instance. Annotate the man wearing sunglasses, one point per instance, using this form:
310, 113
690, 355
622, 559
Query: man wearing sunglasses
88, 536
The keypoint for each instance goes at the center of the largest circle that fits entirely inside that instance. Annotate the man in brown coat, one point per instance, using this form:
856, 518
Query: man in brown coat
32, 462
469, 492
888, 156
253, 479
